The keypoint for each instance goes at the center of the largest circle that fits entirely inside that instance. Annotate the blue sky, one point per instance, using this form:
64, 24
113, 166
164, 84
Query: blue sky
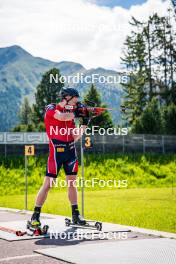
113, 3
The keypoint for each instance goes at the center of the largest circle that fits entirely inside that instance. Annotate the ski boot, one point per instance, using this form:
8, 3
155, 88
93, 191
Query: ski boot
77, 219
35, 220
35, 228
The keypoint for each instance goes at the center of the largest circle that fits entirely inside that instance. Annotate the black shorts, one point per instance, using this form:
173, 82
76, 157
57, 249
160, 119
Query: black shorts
61, 153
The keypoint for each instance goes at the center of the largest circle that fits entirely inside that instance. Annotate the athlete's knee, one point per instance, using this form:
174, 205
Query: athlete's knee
47, 184
71, 182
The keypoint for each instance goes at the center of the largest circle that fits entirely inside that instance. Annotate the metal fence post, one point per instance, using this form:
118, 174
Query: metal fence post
143, 144
163, 147
82, 167
26, 183
103, 144
5, 147
5, 151
123, 140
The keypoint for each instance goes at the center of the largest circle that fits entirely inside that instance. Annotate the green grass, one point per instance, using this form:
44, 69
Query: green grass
147, 202
148, 208
143, 171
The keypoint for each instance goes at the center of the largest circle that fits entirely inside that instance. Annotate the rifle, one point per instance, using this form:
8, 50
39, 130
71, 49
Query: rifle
83, 110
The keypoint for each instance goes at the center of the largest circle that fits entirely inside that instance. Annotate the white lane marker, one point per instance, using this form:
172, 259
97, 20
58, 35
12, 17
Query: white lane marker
20, 257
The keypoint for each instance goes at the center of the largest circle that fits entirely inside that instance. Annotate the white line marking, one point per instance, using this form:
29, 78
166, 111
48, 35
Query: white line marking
19, 257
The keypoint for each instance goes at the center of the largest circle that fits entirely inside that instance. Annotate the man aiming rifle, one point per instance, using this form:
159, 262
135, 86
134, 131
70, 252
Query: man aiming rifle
62, 151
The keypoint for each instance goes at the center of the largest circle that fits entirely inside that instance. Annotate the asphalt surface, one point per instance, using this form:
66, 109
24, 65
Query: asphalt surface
23, 251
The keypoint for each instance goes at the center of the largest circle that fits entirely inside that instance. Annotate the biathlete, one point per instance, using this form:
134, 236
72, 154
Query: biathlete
62, 151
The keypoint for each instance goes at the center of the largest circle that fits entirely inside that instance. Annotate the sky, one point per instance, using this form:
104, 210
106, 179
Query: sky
90, 32
113, 3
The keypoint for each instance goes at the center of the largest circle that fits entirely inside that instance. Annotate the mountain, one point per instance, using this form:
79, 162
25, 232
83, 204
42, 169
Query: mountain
20, 73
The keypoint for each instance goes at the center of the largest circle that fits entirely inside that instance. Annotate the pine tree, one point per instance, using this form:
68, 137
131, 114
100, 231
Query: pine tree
162, 43
25, 112
169, 119
150, 60
150, 121
46, 93
134, 59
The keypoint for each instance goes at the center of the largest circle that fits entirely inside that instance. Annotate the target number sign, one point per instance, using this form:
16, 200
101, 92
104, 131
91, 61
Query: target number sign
29, 150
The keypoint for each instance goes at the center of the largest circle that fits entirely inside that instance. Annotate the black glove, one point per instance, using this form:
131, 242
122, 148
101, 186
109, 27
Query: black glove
85, 120
81, 110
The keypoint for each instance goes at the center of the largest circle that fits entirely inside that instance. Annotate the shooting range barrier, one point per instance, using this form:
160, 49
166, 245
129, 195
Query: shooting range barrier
11, 143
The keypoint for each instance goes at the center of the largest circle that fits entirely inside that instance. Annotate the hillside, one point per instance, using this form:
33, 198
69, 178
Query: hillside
20, 73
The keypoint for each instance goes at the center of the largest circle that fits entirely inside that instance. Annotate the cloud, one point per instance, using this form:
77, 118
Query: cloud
71, 30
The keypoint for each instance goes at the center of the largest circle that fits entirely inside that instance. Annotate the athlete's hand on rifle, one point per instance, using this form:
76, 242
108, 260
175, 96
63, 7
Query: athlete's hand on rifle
85, 121
82, 111
88, 112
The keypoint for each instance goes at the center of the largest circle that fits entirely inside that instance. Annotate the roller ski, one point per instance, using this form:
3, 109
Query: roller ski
79, 221
37, 230
34, 226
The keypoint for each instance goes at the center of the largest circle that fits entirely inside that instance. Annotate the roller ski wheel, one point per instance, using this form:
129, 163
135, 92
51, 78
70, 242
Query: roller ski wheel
20, 233
67, 222
98, 226
45, 229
